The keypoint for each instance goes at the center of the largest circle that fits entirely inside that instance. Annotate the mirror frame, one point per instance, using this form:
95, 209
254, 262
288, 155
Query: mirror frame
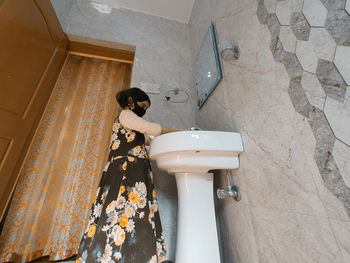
218, 78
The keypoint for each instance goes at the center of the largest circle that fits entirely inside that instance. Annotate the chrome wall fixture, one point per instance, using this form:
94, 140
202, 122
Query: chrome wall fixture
227, 52
230, 191
177, 96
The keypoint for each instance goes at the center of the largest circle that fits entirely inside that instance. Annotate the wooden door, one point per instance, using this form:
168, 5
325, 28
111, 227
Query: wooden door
33, 49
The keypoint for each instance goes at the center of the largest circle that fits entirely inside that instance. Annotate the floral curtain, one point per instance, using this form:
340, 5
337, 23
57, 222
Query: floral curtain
50, 207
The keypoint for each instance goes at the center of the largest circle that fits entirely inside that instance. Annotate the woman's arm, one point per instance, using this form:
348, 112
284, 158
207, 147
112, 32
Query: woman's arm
131, 121
168, 130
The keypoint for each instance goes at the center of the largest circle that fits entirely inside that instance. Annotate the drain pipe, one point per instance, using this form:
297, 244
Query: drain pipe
230, 191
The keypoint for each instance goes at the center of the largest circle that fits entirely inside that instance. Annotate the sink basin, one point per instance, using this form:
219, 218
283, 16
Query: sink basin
196, 151
190, 155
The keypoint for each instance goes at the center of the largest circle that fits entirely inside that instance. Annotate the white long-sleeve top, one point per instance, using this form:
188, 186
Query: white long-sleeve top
133, 122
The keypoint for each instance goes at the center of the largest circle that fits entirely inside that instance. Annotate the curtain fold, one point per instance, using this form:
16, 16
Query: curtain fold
51, 203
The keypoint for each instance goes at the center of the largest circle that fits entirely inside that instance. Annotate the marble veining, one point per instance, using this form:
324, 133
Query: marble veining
331, 76
294, 198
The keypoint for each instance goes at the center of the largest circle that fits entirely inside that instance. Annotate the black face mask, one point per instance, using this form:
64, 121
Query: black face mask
138, 110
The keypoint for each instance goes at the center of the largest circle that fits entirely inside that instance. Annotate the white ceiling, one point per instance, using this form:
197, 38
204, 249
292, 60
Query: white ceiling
179, 10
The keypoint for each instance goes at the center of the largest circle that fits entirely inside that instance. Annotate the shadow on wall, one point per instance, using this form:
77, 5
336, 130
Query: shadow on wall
167, 198
225, 242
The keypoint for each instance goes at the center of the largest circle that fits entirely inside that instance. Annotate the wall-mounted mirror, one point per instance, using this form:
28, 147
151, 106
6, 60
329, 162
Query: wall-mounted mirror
207, 70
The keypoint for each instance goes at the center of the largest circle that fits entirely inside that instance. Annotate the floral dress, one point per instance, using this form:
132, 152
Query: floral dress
124, 224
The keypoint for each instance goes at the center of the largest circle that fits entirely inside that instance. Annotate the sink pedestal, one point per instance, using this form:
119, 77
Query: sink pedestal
190, 155
197, 239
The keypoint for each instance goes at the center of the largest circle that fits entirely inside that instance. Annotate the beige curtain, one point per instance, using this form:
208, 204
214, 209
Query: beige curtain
51, 203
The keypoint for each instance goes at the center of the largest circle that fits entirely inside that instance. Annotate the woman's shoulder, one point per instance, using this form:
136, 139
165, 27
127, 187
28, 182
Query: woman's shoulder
125, 110
121, 115
127, 114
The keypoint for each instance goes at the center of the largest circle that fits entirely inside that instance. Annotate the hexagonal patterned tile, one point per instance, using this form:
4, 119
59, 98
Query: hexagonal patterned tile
277, 50
288, 39
315, 12
341, 153
334, 4
342, 62
306, 56
300, 26
322, 43
295, 5
274, 26
283, 13
338, 115
347, 6
270, 6
292, 64
313, 90
298, 97
347, 94
262, 13
330, 79
338, 25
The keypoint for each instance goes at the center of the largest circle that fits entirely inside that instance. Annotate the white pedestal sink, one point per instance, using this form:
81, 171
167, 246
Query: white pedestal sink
189, 155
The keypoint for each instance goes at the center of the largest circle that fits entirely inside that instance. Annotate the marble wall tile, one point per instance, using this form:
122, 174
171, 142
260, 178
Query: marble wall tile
330, 79
306, 56
201, 11
333, 208
335, 183
263, 14
313, 90
274, 26
288, 39
270, 6
347, 6
279, 176
300, 26
338, 25
293, 237
283, 13
315, 12
341, 153
295, 5
224, 8
322, 43
341, 232
260, 95
342, 62
236, 220
347, 94
324, 137
277, 50
338, 115
284, 183
334, 5
292, 65
298, 97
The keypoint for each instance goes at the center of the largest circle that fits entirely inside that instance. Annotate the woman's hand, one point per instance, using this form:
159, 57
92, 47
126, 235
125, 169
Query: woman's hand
168, 130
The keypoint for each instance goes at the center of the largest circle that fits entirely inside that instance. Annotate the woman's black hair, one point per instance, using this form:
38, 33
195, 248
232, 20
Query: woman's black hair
135, 93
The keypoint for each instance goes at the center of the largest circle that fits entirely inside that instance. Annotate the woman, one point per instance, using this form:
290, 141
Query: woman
124, 224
